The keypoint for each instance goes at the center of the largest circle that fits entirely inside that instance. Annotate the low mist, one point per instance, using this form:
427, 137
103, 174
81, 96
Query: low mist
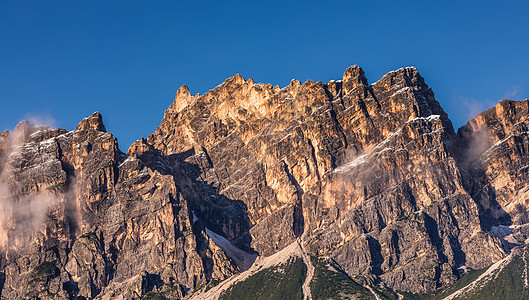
477, 143
22, 215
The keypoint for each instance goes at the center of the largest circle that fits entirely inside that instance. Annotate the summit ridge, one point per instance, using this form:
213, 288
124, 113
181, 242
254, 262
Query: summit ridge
370, 180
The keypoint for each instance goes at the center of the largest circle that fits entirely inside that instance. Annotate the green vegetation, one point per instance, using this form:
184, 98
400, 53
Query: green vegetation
154, 296
329, 282
465, 280
383, 292
40, 277
508, 284
280, 282
45, 271
169, 290
212, 284
89, 235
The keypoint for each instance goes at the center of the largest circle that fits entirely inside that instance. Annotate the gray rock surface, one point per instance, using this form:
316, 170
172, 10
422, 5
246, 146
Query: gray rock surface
372, 176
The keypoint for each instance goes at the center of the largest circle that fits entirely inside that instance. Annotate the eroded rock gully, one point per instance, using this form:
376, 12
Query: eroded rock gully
371, 175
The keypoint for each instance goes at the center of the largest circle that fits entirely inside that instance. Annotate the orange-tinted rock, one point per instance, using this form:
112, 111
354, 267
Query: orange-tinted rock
107, 225
329, 162
372, 176
94, 122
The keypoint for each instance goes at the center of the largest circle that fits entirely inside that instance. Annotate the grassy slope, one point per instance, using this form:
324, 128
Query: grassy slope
505, 284
465, 280
280, 282
329, 282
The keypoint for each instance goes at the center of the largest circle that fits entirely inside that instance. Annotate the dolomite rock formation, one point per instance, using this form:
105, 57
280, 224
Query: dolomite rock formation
370, 175
112, 226
366, 174
498, 159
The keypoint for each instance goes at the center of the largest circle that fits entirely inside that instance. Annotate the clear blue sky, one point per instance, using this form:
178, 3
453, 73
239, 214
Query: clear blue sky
63, 60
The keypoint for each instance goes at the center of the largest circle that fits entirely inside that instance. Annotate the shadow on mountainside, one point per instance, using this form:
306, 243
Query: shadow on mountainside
219, 213
475, 180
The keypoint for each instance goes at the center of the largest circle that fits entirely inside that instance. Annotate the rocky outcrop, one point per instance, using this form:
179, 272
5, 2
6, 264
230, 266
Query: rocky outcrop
346, 165
110, 227
496, 154
371, 175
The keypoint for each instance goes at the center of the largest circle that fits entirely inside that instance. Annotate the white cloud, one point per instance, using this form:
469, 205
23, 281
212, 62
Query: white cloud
513, 92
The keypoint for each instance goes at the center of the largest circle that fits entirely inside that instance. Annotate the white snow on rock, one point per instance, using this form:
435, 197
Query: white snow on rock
242, 259
501, 230
355, 162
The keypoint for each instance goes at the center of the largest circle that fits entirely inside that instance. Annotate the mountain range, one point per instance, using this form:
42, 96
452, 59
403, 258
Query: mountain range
315, 190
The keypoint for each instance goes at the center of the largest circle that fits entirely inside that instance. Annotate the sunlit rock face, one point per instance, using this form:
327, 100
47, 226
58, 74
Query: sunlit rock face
371, 175
497, 148
80, 219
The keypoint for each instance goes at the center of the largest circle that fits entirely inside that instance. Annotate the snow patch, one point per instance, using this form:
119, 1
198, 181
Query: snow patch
502, 231
242, 259
128, 159
194, 217
430, 118
402, 90
360, 160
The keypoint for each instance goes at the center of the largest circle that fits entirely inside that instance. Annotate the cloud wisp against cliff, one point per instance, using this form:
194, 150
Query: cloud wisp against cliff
23, 209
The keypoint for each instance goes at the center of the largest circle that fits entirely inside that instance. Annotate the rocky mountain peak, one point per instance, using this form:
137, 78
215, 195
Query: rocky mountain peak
407, 76
354, 79
182, 99
4, 137
183, 91
362, 175
94, 122
353, 71
236, 79
354, 74
498, 122
24, 130
5, 144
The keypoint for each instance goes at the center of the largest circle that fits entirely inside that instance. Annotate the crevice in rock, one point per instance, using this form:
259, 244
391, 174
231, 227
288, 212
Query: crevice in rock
375, 251
298, 222
314, 158
70, 206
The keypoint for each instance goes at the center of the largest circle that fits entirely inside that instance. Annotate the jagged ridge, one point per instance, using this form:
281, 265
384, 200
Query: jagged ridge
372, 176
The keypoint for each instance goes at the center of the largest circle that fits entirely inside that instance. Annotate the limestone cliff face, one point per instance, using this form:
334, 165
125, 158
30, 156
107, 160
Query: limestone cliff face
112, 226
497, 157
371, 175
367, 174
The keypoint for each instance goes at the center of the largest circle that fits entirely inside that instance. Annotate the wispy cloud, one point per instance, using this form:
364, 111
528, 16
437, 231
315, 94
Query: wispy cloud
21, 214
41, 119
471, 107
513, 92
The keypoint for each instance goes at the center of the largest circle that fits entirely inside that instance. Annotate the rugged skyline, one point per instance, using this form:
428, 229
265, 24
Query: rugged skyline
61, 61
370, 181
